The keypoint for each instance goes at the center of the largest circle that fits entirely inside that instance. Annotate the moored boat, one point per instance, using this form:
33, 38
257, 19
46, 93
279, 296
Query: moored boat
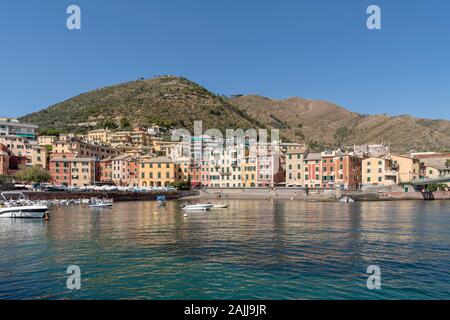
197, 207
220, 206
346, 200
21, 207
100, 203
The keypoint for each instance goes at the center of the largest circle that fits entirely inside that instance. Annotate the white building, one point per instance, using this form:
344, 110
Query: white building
13, 127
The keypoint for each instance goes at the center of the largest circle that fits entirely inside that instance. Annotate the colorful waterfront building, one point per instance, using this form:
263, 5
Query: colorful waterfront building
205, 173
313, 170
271, 169
295, 157
157, 172
379, 171
408, 168
105, 171
437, 171
250, 171
348, 171
76, 172
120, 170
328, 169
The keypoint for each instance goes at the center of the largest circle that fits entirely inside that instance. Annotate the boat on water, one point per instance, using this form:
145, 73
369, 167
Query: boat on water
101, 203
346, 200
220, 206
17, 205
161, 201
197, 207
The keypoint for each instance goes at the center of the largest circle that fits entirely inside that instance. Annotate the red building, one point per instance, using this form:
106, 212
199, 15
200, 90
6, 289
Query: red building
104, 171
341, 170
313, 170
348, 171
76, 172
328, 169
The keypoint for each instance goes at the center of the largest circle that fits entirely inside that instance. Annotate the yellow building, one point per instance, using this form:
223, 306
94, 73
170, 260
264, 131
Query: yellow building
294, 166
379, 172
79, 149
157, 172
408, 168
120, 138
39, 157
436, 171
249, 172
102, 136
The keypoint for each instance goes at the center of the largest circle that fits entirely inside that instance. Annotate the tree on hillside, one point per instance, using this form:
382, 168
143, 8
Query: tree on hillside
107, 124
51, 132
33, 175
124, 123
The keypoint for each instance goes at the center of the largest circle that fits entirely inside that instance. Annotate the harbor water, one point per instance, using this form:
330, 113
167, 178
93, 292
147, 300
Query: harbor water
251, 250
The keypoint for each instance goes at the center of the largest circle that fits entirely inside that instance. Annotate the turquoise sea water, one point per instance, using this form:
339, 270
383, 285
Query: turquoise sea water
252, 250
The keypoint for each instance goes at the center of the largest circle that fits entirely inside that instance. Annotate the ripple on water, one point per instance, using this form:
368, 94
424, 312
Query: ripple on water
253, 250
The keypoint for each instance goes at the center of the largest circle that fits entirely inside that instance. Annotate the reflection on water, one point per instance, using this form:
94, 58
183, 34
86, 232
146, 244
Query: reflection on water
254, 249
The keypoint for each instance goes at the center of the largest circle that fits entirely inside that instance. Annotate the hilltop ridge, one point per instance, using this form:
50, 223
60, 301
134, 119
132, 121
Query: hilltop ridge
178, 102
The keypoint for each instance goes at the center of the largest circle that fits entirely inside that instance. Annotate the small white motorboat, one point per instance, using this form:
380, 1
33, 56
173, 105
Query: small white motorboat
15, 210
197, 207
220, 206
24, 212
100, 203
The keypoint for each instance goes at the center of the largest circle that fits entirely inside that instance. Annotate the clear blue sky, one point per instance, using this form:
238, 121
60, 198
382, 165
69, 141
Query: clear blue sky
313, 49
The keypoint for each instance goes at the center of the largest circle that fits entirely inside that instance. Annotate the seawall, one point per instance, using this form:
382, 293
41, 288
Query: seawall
316, 194
117, 196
